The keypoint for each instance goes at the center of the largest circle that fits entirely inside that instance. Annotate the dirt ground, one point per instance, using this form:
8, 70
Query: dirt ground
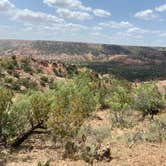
138, 155
39, 148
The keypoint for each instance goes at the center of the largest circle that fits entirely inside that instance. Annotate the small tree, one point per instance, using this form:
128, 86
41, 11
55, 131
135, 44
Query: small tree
119, 101
147, 99
73, 102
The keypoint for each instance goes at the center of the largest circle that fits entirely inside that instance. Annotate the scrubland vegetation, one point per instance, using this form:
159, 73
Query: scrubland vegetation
64, 108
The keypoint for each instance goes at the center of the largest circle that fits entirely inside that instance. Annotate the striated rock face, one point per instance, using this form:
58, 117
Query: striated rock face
66, 51
128, 62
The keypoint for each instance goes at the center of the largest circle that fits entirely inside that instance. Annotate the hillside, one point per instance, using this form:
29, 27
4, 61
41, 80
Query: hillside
129, 62
53, 113
21, 74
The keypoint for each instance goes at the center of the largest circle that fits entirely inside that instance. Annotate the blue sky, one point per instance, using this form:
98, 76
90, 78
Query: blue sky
127, 22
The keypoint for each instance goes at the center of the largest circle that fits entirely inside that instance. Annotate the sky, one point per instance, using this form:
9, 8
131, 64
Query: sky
125, 22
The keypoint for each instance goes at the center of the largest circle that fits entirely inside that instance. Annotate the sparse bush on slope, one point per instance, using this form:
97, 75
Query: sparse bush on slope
119, 101
74, 101
17, 118
40, 107
27, 112
148, 100
61, 110
157, 130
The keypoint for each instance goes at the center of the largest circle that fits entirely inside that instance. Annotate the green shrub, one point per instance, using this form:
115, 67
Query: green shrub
45, 164
25, 65
39, 71
40, 107
119, 102
27, 111
157, 130
96, 135
5, 101
147, 99
73, 102
8, 80
27, 83
154, 132
104, 94
44, 79
17, 118
15, 86
16, 74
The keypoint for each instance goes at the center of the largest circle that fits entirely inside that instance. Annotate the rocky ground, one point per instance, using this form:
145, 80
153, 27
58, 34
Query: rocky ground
38, 147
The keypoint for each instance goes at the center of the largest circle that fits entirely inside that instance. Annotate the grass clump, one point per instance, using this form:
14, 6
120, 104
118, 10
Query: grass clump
157, 130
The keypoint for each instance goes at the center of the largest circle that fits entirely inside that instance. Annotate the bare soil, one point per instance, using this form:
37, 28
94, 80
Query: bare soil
38, 147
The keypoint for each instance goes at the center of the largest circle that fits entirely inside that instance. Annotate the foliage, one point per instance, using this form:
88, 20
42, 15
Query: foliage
40, 106
27, 110
5, 102
17, 118
119, 102
63, 109
73, 102
97, 135
8, 63
25, 65
147, 99
103, 95
157, 130
44, 79
132, 72
89, 145
45, 164
27, 83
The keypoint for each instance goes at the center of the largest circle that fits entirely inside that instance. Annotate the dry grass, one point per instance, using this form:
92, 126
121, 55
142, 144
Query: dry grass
40, 148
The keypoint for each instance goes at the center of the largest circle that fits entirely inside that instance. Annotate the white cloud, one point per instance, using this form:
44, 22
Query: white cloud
95, 33
162, 35
146, 14
136, 30
137, 33
101, 13
6, 6
116, 25
75, 9
66, 13
97, 28
161, 8
27, 15
67, 4
40, 25
33, 20
56, 27
72, 27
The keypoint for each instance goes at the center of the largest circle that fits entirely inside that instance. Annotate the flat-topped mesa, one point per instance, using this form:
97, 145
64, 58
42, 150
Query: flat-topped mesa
66, 51
129, 62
